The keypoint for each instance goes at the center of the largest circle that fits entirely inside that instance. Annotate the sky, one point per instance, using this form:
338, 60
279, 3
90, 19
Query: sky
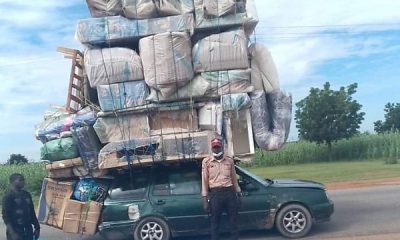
312, 42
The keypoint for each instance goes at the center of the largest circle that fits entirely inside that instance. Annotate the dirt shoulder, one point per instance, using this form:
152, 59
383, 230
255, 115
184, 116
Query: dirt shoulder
363, 183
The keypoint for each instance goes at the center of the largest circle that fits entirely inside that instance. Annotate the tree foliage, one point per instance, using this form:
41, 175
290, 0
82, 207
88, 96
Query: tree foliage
16, 159
326, 115
392, 119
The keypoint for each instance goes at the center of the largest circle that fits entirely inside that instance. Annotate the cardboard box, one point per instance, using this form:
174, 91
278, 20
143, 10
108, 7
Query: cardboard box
81, 217
53, 198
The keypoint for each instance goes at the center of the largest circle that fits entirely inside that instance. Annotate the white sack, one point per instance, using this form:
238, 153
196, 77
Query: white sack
112, 65
104, 8
264, 75
244, 14
224, 51
174, 7
219, 8
139, 9
209, 84
167, 61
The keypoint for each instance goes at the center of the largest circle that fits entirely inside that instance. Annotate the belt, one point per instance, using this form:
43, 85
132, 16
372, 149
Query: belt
222, 189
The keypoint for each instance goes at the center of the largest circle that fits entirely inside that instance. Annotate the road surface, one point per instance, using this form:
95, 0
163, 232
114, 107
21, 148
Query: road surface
360, 214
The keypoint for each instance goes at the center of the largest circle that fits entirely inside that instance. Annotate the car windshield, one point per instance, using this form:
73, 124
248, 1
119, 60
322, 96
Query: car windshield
255, 177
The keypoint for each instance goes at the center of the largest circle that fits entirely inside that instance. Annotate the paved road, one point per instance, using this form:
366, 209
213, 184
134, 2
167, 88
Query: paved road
360, 214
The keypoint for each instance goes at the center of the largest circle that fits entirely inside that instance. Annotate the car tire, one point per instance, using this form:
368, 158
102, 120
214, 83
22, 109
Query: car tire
152, 228
293, 221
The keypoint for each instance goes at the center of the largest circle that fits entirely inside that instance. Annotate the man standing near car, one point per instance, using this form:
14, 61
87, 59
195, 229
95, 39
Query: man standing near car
220, 189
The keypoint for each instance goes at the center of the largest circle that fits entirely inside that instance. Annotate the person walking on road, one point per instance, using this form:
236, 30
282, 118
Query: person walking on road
220, 189
18, 211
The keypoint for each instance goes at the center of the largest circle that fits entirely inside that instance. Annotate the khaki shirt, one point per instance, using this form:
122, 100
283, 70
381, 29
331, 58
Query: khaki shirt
218, 174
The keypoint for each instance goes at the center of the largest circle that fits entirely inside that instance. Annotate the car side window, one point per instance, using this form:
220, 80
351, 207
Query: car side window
126, 188
246, 185
185, 183
177, 183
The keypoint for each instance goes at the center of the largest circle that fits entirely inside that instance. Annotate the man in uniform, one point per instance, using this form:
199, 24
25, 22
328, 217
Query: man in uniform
220, 189
18, 211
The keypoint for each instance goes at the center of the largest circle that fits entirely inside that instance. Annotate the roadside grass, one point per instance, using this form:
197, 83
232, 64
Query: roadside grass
33, 172
332, 171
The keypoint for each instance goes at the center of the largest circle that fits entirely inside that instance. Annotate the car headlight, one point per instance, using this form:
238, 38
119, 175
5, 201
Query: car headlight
327, 195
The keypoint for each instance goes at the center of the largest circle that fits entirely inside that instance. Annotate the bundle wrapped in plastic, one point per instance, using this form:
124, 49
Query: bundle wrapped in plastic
141, 9
112, 65
223, 14
125, 95
88, 189
209, 84
109, 31
122, 153
104, 8
167, 61
119, 128
223, 51
235, 102
58, 122
88, 145
59, 149
271, 116
264, 75
218, 8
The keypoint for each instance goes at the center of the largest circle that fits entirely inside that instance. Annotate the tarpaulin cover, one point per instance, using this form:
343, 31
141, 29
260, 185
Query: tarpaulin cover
88, 189
113, 30
264, 75
244, 14
271, 116
125, 95
104, 8
223, 51
235, 102
167, 61
124, 127
112, 65
88, 145
209, 84
141, 9
59, 149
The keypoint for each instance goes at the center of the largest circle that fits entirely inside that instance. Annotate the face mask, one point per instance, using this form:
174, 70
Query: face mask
218, 155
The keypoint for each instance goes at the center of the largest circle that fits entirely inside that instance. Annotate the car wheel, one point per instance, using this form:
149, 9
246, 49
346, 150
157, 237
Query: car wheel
152, 228
293, 221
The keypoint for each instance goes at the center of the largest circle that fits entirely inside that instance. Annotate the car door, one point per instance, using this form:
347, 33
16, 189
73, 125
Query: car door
255, 205
176, 194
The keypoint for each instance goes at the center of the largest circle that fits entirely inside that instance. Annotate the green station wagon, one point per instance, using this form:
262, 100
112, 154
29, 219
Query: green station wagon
164, 202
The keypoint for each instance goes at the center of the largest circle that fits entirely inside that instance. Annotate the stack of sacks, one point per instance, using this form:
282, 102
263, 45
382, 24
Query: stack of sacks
67, 145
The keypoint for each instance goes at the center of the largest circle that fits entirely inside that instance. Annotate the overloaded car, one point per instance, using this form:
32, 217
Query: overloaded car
165, 202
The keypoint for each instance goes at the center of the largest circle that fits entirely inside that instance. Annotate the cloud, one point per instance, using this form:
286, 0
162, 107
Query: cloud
309, 32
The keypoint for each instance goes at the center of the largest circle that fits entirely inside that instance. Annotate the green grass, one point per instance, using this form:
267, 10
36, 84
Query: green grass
33, 172
332, 172
359, 148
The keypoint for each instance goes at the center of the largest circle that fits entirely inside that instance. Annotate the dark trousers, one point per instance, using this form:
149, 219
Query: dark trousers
223, 200
24, 233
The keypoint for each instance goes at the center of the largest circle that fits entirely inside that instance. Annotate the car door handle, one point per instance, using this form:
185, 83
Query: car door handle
160, 202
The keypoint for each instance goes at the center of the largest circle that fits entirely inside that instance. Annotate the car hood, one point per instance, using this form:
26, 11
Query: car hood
294, 183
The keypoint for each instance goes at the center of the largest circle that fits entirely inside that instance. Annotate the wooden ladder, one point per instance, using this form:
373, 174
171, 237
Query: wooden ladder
76, 94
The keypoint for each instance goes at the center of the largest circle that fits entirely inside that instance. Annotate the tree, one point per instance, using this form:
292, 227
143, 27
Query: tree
392, 119
17, 159
326, 115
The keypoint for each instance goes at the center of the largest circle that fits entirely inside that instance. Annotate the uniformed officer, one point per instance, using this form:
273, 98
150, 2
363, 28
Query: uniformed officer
220, 189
